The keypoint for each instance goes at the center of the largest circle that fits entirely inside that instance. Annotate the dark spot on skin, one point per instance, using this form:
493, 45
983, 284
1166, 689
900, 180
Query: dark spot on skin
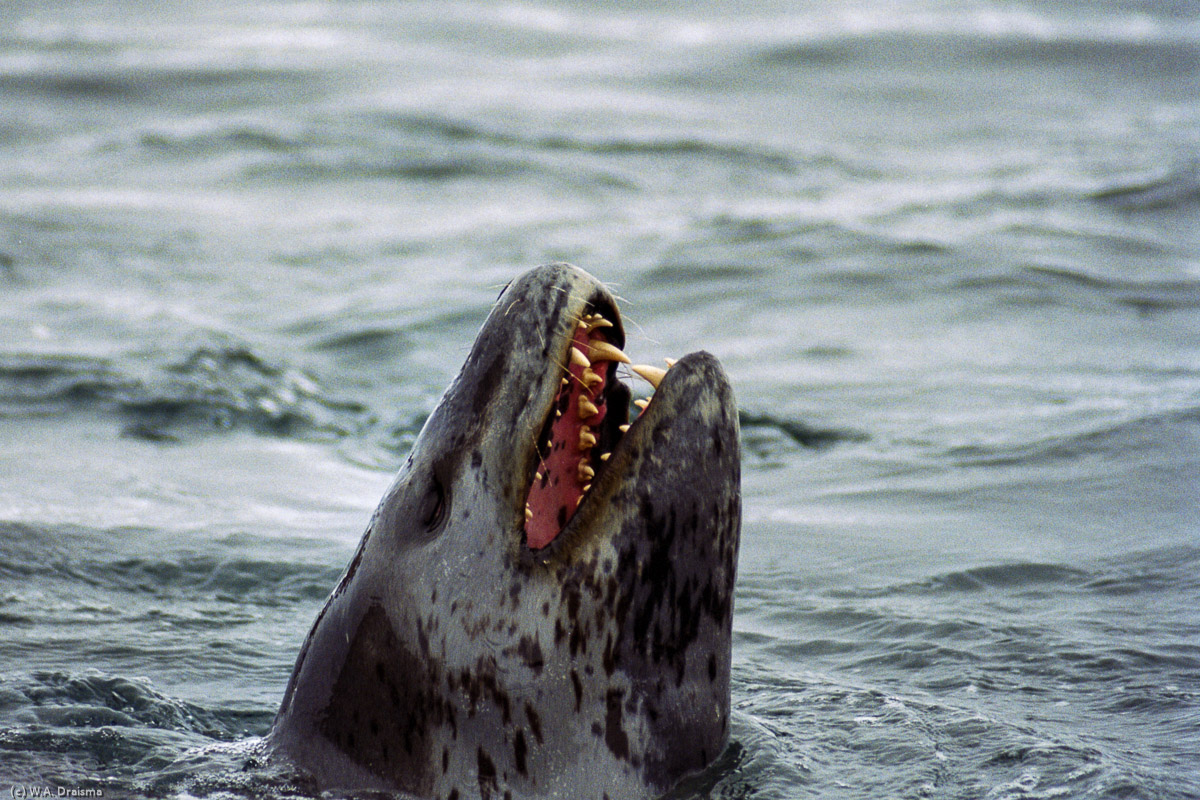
380, 672
445, 760
712, 667
491, 381
573, 605
487, 775
476, 459
531, 652
535, 722
578, 690
453, 795
614, 729
519, 753
578, 643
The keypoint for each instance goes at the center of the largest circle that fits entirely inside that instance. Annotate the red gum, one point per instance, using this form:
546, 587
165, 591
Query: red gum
560, 488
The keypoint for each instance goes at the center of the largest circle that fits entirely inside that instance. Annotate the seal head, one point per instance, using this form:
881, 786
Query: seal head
542, 603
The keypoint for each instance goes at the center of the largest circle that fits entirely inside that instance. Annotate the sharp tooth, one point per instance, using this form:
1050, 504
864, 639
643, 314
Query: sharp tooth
653, 375
566, 382
600, 350
670, 362
578, 358
587, 408
537, 476
528, 513
590, 378
598, 322
580, 500
587, 488
623, 428
641, 403
586, 440
586, 473
604, 456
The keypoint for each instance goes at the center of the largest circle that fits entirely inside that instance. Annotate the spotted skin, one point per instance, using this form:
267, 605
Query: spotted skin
454, 662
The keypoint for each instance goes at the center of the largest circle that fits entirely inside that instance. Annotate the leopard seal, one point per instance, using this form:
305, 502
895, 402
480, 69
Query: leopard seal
541, 605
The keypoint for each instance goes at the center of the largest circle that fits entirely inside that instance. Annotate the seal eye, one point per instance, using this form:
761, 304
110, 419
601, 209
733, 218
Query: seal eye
433, 506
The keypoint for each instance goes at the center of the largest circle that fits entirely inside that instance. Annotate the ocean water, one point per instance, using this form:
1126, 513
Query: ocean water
949, 254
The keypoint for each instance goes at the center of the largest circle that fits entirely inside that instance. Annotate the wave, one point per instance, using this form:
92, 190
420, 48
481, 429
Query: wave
1139, 45
215, 387
85, 557
1179, 188
685, 147
120, 736
432, 149
1167, 428
1061, 286
770, 441
93, 699
1172, 569
155, 83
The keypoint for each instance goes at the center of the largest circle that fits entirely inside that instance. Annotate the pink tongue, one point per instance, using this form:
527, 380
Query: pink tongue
554, 496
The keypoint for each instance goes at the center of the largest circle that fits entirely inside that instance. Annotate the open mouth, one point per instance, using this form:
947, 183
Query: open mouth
589, 416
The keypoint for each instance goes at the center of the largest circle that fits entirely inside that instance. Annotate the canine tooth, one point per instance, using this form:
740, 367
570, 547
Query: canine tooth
590, 378
528, 513
641, 403
601, 350
653, 375
578, 358
587, 408
586, 440
586, 473
604, 456
566, 382
598, 322
623, 428
670, 362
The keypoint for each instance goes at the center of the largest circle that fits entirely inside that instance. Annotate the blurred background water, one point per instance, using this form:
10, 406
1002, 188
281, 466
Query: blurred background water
948, 252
